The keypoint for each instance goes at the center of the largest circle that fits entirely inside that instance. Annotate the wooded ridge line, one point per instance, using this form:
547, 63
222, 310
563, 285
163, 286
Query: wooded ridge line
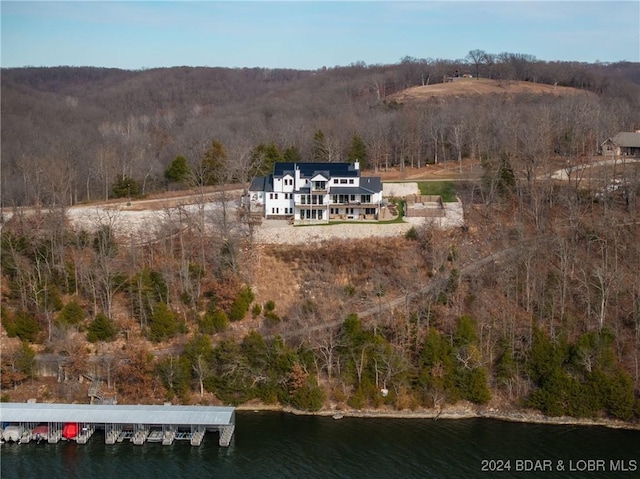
533, 302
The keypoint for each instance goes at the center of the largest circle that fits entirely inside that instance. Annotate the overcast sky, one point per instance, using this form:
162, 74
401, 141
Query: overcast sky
310, 35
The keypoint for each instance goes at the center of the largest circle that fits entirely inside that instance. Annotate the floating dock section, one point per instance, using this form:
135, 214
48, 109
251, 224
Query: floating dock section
135, 423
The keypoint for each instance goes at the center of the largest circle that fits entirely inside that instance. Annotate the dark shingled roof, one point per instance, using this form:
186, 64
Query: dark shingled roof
373, 183
262, 183
257, 184
308, 170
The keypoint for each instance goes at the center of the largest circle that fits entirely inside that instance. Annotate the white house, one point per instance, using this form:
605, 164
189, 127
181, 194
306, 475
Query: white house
316, 192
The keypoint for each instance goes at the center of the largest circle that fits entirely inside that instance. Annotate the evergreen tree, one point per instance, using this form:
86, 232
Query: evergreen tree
214, 162
241, 304
71, 314
26, 360
231, 378
358, 151
213, 322
199, 345
101, 329
164, 324
292, 155
319, 149
620, 397
175, 374
147, 288
23, 325
263, 157
125, 187
436, 377
178, 170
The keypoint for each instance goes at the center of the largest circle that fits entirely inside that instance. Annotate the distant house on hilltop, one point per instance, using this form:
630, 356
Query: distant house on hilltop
316, 193
626, 143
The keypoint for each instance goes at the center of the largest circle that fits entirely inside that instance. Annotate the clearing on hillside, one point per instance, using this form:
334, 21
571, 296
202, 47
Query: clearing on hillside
479, 86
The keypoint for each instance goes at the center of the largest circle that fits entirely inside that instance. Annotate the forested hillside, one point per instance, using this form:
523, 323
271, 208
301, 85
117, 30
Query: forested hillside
534, 303
70, 133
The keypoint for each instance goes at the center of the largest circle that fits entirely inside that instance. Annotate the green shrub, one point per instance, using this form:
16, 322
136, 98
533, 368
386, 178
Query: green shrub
358, 399
241, 304
101, 329
26, 360
238, 309
164, 324
308, 398
71, 314
178, 170
214, 322
23, 325
124, 187
412, 234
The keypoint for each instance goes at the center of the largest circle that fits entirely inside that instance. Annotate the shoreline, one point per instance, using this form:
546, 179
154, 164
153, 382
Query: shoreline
519, 416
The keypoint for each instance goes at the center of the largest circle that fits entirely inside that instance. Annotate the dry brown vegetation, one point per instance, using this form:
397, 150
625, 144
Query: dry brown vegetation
535, 300
479, 86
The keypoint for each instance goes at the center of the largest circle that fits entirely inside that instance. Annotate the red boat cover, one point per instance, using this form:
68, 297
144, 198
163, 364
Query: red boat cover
70, 430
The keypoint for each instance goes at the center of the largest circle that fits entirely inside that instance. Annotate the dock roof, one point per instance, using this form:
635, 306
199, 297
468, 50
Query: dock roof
112, 414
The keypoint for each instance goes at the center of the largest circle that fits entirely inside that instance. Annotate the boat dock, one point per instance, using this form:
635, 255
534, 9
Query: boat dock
135, 423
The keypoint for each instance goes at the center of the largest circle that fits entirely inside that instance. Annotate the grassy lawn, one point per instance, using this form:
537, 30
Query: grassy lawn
398, 219
446, 189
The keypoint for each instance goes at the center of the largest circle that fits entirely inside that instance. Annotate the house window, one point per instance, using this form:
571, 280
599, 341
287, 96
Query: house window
335, 181
352, 198
351, 181
343, 181
276, 196
270, 196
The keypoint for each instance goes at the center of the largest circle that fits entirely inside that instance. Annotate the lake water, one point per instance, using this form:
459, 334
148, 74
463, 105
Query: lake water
278, 445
